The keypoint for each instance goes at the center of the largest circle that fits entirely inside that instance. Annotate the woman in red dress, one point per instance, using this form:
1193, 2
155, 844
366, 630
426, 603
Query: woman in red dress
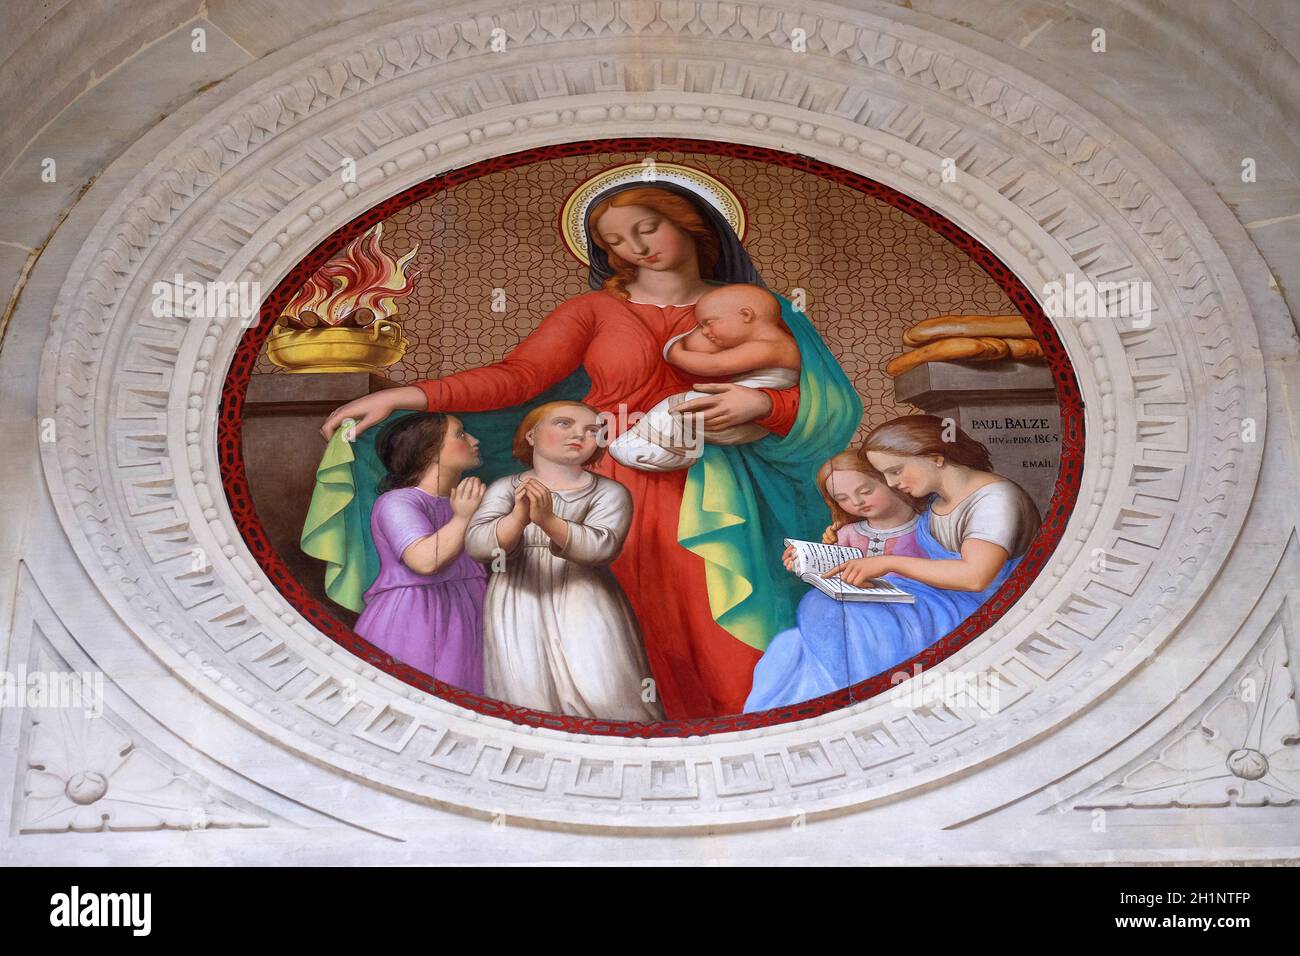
650, 248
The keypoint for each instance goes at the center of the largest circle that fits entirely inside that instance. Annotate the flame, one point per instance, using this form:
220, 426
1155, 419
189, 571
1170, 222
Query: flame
362, 276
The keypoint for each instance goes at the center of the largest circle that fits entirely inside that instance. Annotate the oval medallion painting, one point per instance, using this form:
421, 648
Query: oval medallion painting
651, 437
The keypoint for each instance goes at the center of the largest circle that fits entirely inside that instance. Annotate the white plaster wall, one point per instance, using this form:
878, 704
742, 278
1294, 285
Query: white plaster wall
236, 774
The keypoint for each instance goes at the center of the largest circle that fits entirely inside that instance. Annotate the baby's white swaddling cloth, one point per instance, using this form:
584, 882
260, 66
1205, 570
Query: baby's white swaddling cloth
662, 441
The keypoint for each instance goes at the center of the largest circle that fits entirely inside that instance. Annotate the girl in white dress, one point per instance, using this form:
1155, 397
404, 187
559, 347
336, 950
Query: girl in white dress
558, 632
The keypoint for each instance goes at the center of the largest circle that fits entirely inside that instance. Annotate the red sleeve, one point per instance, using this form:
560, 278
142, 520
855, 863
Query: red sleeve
552, 351
785, 409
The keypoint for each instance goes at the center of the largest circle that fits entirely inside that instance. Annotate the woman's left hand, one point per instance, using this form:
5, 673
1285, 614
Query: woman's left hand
860, 570
729, 404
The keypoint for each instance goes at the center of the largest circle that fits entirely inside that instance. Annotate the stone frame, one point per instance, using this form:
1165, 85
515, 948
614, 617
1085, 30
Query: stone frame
248, 189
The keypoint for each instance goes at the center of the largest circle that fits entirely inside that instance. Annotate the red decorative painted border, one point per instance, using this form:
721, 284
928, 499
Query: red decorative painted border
235, 482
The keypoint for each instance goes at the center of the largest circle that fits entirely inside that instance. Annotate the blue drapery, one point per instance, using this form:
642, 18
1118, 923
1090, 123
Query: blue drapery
840, 643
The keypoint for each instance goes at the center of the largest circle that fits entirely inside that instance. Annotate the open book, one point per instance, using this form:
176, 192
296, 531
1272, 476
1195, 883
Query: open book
812, 559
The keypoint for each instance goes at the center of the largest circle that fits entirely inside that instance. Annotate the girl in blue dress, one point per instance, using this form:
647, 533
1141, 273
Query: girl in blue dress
974, 530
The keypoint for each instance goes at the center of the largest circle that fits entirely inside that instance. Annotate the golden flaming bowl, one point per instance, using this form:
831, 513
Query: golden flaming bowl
335, 349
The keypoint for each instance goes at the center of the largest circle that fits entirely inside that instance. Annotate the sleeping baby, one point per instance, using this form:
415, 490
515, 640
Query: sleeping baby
740, 334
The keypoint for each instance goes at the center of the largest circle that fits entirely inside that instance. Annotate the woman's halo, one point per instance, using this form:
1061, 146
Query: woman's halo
712, 190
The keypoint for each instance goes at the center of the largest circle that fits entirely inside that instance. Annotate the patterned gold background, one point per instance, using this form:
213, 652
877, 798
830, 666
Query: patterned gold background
869, 270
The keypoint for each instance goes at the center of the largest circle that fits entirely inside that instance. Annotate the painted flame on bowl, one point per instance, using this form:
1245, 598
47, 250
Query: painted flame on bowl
361, 277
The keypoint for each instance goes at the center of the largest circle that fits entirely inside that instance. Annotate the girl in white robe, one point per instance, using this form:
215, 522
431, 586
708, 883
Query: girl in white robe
559, 634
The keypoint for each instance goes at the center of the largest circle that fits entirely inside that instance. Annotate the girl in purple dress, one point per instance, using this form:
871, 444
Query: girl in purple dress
426, 606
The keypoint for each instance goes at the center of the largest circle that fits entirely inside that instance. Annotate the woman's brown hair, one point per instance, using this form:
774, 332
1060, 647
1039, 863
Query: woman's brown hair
678, 210
856, 462
524, 451
917, 436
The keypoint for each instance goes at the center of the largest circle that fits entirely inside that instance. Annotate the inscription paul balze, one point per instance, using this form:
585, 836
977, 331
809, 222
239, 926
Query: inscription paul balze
1027, 431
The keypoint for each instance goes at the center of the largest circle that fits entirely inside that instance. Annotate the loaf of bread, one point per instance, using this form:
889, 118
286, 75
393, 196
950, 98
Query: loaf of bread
968, 326
961, 348
1025, 348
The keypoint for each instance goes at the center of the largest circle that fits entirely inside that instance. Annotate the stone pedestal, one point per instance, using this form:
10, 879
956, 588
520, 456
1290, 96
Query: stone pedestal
1009, 405
283, 413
